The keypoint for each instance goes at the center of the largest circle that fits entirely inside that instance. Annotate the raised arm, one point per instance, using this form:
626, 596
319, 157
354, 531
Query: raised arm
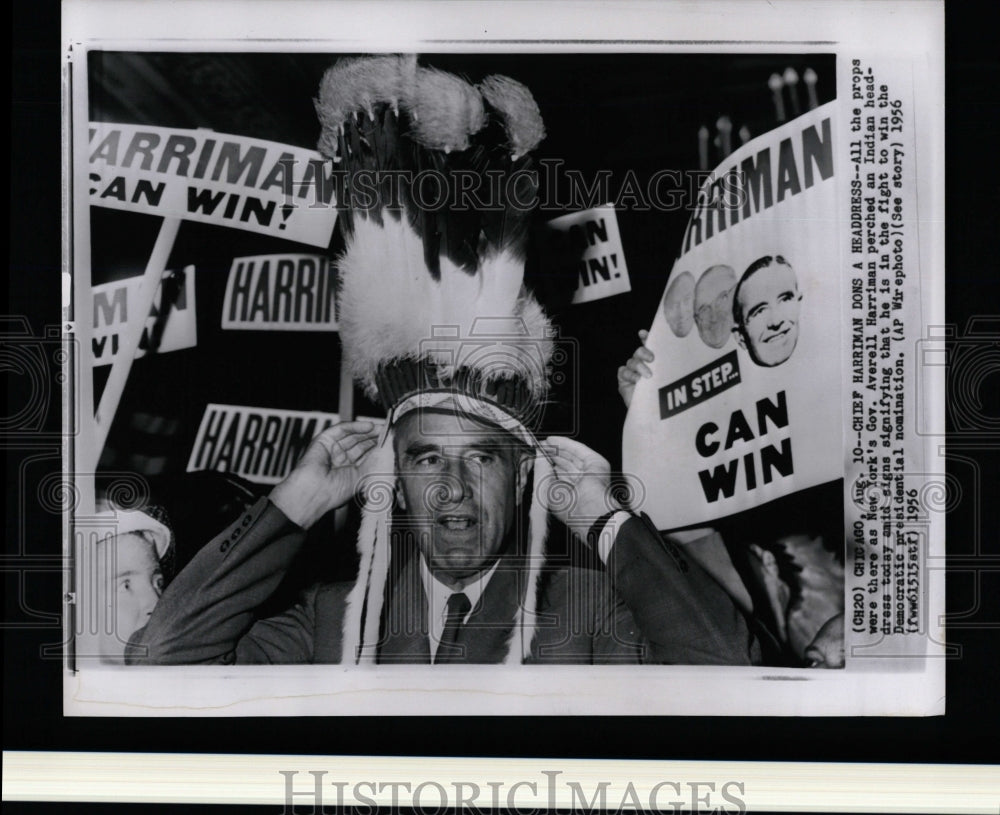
206, 615
683, 614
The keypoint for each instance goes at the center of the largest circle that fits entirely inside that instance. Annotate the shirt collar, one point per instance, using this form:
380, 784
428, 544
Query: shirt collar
437, 594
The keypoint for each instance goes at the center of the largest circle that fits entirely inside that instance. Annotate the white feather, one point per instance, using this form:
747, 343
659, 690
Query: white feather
391, 307
373, 547
519, 646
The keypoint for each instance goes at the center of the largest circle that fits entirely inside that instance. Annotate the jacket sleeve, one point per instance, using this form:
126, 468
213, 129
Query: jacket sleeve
619, 641
206, 614
684, 615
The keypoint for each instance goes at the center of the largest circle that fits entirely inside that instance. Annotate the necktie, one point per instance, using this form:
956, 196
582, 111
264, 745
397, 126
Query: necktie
448, 652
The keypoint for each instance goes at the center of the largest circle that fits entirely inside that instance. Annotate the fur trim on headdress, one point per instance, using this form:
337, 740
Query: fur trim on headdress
360, 84
446, 110
519, 111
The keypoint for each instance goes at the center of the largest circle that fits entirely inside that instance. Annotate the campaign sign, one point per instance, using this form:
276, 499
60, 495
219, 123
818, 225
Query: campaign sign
290, 292
170, 325
745, 403
260, 444
591, 238
200, 175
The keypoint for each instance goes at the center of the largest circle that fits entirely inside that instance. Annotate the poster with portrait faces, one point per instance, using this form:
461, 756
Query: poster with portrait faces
744, 405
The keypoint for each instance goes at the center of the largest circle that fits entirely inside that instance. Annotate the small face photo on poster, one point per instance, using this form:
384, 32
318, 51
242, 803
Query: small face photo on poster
713, 310
678, 304
766, 307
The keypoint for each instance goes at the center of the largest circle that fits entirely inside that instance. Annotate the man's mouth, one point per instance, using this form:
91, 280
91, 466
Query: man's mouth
456, 522
777, 335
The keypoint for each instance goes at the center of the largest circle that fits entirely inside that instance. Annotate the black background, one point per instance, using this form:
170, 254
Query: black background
33, 686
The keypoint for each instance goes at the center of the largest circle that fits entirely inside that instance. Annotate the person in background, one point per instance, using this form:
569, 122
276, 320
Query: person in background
128, 576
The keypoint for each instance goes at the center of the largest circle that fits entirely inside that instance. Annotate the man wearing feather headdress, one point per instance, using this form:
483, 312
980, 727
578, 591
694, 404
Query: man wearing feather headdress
457, 492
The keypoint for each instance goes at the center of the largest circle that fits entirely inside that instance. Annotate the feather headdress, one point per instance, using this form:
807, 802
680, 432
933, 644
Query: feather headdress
435, 203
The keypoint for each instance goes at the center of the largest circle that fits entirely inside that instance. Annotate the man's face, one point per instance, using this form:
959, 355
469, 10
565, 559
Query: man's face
770, 302
130, 586
713, 305
460, 482
678, 305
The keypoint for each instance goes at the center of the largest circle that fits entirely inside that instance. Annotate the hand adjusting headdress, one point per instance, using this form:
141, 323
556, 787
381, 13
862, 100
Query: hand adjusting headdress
435, 210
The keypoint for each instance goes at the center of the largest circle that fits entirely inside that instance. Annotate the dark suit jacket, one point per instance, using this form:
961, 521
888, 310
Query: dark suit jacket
661, 608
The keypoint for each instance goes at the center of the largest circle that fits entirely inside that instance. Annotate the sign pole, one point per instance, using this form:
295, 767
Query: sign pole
122, 363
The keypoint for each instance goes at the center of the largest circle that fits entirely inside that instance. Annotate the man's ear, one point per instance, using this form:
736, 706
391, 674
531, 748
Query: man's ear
400, 494
740, 339
524, 466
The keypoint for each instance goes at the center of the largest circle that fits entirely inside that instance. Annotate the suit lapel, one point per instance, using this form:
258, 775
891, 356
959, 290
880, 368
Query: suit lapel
485, 635
489, 626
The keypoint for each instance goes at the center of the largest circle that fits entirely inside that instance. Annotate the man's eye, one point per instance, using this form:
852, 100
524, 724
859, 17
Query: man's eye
125, 584
483, 458
430, 460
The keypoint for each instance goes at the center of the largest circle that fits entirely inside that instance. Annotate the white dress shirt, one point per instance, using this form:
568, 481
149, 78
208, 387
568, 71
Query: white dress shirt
437, 599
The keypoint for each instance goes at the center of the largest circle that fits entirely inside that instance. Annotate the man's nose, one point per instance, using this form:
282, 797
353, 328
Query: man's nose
456, 484
150, 596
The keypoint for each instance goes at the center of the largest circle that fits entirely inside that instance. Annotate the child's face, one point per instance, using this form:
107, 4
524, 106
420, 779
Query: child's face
132, 587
